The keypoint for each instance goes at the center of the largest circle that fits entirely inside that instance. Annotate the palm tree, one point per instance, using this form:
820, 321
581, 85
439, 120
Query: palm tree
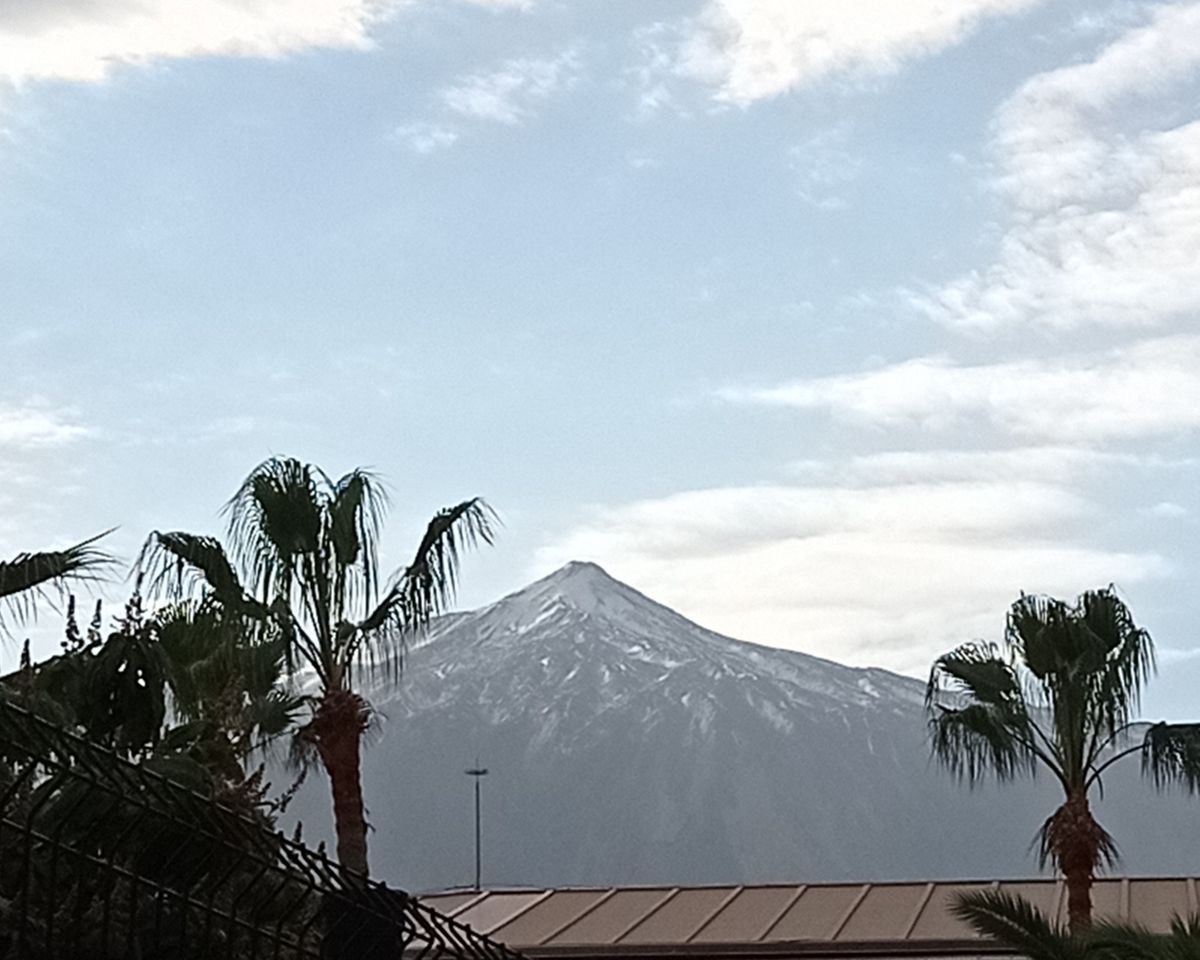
227, 682
303, 560
24, 577
187, 688
1057, 696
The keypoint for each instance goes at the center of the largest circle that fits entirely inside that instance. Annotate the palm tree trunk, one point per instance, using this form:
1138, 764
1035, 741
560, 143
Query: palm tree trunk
1078, 857
338, 726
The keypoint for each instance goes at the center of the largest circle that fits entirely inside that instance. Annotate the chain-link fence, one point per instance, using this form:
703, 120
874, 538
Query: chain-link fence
101, 858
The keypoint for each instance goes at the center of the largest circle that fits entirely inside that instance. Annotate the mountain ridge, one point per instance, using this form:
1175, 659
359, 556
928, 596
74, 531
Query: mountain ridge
628, 744
589, 589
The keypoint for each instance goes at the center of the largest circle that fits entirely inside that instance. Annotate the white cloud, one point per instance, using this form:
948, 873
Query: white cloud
642, 161
1044, 464
31, 426
503, 4
427, 137
1166, 510
653, 68
1099, 163
823, 164
1106, 21
884, 574
750, 50
510, 93
1151, 387
84, 40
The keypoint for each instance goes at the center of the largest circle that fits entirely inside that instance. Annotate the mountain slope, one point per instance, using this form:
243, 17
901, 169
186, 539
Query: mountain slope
627, 744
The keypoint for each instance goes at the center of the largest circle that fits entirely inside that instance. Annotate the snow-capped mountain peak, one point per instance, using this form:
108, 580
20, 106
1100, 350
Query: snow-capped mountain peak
580, 588
583, 634
580, 584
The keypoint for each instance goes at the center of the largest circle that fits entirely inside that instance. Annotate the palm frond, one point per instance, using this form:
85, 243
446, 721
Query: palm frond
1183, 942
1186, 928
177, 564
191, 637
1126, 654
987, 728
976, 670
422, 589
1171, 754
274, 519
24, 577
302, 754
1016, 923
356, 512
431, 578
227, 669
275, 713
1111, 940
1032, 633
126, 696
976, 740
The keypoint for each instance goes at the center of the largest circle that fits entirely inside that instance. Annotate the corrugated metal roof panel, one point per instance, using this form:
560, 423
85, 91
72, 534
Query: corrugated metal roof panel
447, 903
884, 913
545, 919
609, 921
496, 909
1043, 894
817, 914
833, 914
1154, 902
936, 922
746, 918
678, 918
1106, 899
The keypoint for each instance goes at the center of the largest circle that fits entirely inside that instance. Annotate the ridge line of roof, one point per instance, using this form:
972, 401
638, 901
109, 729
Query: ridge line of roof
788, 884
966, 948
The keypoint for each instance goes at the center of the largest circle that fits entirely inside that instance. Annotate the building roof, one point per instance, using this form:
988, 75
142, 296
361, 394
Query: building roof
839, 919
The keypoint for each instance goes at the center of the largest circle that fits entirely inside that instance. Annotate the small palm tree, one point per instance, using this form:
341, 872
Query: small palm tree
1016, 923
304, 561
1057, 696
227, 681
26, 575
185, 683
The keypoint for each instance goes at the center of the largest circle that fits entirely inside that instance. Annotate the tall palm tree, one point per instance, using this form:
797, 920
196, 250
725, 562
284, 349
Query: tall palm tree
1057, 696
304, 560
24, 577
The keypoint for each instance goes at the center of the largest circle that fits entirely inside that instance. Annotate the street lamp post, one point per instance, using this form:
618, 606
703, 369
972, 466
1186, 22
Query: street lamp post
478, 773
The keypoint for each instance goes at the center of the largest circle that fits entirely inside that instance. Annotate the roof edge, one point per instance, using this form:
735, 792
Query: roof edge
774, 950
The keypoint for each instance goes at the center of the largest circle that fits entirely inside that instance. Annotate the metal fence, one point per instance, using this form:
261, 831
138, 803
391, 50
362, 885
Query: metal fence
102, 858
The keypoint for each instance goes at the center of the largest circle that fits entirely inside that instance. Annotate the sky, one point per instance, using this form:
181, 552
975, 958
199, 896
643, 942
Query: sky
833, 324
